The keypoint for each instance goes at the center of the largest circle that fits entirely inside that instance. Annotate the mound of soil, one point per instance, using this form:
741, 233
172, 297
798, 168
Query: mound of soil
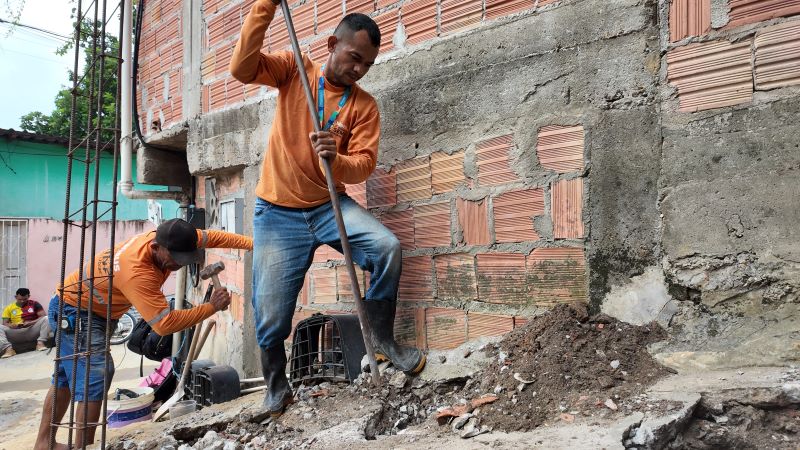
564, 363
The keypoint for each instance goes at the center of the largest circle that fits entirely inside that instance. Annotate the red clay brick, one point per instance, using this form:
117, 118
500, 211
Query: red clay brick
513, 215
414, 180
319, 50
325, 253
381, 189
405, 326
329, 13
567, 207
345, 285
455, 277
323, 285
474, 221
360, 6
557, 275
560, 148
486, 325
416, 281
303, 19
493, 160
401, 224
358, 192
501, 8
743, 12
419, 20
447, 171
446, 328
457, 15
689, 18
432, 225
387, 23
501, 278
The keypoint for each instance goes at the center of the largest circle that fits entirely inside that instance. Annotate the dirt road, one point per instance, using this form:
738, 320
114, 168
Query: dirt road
24, 380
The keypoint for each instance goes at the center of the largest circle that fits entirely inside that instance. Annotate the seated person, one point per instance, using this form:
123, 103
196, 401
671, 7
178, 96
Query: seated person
24, 322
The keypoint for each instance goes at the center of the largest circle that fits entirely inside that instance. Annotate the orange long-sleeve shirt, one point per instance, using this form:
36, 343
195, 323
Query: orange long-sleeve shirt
137, 282
291, 174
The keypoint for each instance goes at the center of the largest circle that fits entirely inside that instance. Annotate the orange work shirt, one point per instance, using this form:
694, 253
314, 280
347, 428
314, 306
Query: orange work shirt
291, 173
137, 281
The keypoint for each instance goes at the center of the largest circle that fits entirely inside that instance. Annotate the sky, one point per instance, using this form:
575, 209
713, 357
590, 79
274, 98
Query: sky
31, 74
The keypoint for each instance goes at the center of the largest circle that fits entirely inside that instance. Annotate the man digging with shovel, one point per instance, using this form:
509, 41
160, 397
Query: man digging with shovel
294, 214
141, 266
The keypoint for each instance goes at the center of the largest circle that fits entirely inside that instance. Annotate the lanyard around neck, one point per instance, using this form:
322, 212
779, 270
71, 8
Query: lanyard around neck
321, 103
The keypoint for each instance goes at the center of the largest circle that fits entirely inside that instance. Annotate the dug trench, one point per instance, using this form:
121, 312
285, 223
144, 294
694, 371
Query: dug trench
563, 367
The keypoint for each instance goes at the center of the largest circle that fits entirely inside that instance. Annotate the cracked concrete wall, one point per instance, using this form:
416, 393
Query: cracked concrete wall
728, 197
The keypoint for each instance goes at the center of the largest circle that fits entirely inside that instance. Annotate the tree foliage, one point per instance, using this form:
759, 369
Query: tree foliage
58, 122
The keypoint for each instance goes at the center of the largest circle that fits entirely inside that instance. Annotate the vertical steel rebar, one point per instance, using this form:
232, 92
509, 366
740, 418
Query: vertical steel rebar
94, 135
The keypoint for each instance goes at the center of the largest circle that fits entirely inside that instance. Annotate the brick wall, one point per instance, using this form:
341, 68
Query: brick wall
475, 237
160, 77
713, 65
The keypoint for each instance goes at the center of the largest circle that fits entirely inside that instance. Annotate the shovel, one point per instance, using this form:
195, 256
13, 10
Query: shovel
194, 350
362, 315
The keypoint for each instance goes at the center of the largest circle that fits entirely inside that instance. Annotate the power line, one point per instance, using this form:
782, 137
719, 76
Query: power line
34, 56
22, 25
32, 33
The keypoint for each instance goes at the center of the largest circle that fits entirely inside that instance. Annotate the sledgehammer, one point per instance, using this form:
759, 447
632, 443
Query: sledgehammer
362, 315
211, 271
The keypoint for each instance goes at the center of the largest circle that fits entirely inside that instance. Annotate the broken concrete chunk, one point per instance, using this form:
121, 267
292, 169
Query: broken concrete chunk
610, 404
460, 421
398, 380
471, 429
615, 364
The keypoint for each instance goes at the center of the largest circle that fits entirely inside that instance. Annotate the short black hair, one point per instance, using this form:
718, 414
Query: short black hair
354, 22
23, 291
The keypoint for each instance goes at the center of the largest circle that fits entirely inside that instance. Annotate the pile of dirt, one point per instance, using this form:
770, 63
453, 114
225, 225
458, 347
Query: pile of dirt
564, 363
559, 365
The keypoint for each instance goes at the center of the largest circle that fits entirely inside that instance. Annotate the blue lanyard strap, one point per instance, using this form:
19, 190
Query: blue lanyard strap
321, 103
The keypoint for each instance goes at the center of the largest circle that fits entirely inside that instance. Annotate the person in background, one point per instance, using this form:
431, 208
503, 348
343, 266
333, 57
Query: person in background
24, 322
141, 266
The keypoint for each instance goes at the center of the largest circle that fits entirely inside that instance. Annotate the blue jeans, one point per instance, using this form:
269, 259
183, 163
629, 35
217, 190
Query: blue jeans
95, 361
284, 241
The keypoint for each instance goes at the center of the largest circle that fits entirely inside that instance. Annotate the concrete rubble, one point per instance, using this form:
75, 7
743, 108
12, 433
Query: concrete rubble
451, 404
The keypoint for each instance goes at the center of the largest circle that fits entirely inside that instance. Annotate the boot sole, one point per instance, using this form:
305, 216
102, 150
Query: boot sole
278, 413
379, 357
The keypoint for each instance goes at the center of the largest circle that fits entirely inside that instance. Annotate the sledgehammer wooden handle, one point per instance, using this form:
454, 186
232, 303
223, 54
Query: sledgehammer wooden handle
362, 315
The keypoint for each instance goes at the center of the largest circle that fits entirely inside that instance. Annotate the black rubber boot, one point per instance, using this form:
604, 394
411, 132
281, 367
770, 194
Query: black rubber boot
279, 393
381, 319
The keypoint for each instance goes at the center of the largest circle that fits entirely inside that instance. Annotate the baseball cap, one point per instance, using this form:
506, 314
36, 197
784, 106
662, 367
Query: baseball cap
180, 238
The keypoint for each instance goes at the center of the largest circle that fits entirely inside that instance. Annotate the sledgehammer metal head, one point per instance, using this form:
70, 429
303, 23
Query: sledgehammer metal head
211, 271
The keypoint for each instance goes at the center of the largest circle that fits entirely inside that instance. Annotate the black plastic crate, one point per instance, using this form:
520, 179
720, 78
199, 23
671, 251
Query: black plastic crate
326, 348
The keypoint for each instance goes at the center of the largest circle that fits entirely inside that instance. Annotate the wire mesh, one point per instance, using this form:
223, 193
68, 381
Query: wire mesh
87, 142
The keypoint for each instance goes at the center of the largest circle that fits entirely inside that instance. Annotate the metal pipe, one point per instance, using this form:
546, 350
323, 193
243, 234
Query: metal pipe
348, 259
126, 128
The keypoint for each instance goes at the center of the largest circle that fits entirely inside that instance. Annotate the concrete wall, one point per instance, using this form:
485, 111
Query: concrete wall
638, 156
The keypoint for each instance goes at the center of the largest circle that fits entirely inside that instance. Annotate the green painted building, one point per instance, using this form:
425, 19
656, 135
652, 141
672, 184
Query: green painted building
33, 181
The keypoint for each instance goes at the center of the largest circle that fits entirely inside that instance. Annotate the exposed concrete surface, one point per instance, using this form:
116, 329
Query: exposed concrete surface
643, 300
162, 167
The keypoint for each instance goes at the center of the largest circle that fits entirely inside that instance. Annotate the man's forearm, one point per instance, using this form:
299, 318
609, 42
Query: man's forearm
246, 57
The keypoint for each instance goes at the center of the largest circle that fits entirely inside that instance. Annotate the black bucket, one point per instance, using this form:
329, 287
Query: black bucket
327, 348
